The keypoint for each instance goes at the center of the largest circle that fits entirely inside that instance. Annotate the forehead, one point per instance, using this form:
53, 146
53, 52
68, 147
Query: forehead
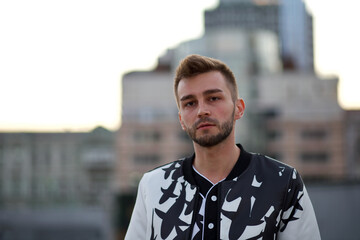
201, 83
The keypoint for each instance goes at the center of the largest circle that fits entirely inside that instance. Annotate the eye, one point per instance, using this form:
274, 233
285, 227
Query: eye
189, 104
213, 99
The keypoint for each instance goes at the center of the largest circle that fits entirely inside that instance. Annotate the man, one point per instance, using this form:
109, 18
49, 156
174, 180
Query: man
222, 191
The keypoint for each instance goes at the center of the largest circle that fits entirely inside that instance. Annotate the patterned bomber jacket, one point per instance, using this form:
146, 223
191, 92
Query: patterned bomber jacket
268, 200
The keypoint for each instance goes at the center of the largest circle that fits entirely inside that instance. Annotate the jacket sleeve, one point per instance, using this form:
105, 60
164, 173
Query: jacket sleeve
298, 220
138, 222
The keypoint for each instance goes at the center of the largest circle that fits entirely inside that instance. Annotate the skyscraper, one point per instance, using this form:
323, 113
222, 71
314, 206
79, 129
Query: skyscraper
288, 19
296, 34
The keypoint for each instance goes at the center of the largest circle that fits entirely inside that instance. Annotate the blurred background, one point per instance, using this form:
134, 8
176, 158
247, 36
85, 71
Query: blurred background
87, 106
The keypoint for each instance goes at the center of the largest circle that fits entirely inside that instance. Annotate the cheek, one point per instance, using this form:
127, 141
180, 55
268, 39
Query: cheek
190, 124
225, 111
186, 121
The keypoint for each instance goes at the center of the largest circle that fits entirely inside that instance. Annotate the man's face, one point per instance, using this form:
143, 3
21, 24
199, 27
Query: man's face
206, 110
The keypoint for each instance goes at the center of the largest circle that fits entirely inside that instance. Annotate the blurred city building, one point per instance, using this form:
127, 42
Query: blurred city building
296, 31
55, 224
352, 123
303, 124
288, 19
55, 171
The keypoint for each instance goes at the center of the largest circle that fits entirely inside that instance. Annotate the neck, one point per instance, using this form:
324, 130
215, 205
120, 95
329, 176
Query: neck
216, 162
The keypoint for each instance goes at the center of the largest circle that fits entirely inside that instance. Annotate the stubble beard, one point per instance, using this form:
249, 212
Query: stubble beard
210, 140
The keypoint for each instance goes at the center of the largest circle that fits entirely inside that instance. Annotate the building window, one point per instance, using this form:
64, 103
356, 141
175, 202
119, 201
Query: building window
147, 159
314, 134
273, 135
314, 157
270, 114
147, 136
357, 150
1, 155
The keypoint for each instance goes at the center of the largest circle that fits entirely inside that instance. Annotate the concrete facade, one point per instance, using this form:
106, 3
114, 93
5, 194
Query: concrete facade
352, 123
303, 123
56, 169
288, 19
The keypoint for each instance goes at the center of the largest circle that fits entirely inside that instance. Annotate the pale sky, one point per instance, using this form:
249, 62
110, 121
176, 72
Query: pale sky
61, 61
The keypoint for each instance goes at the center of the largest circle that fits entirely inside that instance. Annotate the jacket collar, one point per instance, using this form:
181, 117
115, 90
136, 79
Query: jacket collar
240, 166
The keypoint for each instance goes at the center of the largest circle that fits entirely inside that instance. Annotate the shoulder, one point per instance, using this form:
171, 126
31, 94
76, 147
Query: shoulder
277, 172
272, 165
163, 172
159, 183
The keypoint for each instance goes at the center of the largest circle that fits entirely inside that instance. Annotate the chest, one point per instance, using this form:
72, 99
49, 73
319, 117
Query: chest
229, 210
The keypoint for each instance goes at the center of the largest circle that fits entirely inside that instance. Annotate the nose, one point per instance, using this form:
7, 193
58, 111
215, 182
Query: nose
203, 110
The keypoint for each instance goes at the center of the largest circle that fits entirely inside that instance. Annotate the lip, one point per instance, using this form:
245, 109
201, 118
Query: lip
205, 125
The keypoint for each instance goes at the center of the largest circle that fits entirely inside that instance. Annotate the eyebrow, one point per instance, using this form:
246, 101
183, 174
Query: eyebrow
207, 92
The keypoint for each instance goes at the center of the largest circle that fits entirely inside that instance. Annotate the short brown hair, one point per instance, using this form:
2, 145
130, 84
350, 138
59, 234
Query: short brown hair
195, 64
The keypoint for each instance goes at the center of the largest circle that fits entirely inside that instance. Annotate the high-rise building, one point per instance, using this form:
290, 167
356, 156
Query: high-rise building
296, 34
244, 14
288, 19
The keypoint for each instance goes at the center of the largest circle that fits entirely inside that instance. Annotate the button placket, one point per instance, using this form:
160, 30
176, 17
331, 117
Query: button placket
211, 209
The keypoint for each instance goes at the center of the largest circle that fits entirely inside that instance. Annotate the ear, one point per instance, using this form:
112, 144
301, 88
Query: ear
181, 122
239, 108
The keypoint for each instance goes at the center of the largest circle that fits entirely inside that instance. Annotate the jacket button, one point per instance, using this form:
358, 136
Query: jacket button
213, 198
211, 226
